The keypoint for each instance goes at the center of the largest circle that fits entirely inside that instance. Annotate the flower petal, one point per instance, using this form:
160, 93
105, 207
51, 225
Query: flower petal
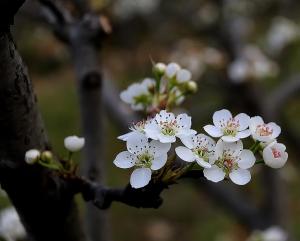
243, 120
125, 160
126, 136
166, 139
140, 177
188, 141
185, 154
172, 69
254, 122
230, 138
213, 131
234, 148
276, 129
202, 163
152, 130
240, 176
214, 174
157, 148
183, 75
184, 121
247, 159
243, 134
220, 117
137, 143
164, 116
159, 162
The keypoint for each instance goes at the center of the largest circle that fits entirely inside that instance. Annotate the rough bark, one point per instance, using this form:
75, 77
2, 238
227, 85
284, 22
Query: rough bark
44, 201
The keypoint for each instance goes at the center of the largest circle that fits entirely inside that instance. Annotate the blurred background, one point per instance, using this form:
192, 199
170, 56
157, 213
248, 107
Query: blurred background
244, 56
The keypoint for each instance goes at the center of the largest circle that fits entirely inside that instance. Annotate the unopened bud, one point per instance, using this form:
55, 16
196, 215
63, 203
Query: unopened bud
47, 156
32, 156
191, 87
159, 68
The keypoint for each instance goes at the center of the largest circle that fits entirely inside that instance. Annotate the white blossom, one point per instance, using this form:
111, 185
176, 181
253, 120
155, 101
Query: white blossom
160, 68
144, 156
74, 143
11, 227
183, 75
228, 128
275, 155
231, 161
165, 127
137, 128
138, 94
263, 132
199, 148
172, 69
273, 233
31, 156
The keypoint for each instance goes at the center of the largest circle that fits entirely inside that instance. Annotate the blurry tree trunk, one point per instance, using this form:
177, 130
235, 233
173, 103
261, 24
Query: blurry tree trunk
89, 82
44, 202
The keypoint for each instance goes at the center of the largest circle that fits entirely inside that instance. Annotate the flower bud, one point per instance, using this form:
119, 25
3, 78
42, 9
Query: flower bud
46, 156
172, 69
32, 156
191, 87
183, 75
159, 68
74, 143
275, 155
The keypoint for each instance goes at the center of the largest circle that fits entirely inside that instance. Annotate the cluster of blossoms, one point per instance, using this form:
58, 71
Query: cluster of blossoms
168, 88
149, 142
46, 159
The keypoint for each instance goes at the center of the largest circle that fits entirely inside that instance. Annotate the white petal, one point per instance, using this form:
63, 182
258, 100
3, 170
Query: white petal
276, 129
157, 148
240, 176
159, 162
243, 120
230, 138
137, 143
152, 130
185, 154
214, 174
203, 163
220, 117
204, 141
164, 116
125, 160
234, 148
254, 122
272, 160
184, 121
247, 159
213, 131
74, 143
243, 134
188, 141
166, 139
126, 136
172, 69
183, 75
140, 177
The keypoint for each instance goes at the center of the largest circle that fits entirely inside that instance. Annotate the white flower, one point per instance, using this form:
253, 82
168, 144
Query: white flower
172, 69
263, 132
138, 94
183, 75
228, 128
31, 156
137, 128
74, 143
239, 70
199, 148
165, 127
275, 155
144, 156
11, 227
231, 161
274, 234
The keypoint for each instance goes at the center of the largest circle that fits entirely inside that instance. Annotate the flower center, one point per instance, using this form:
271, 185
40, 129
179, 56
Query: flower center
139, 126
231, 127
168, 128
263, 130
144, 160
142, 99
202, 152
227, 163
276, 153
